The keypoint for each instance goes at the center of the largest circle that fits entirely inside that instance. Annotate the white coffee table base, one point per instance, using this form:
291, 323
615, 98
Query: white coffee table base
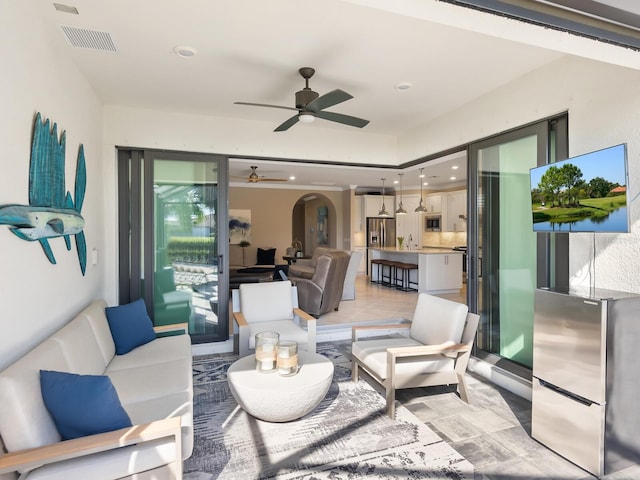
273, 398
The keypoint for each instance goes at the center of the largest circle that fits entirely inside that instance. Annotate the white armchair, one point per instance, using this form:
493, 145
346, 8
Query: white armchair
436, 351
273, 307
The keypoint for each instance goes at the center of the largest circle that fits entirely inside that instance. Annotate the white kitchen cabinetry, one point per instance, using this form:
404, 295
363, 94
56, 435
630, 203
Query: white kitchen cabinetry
456, 205
433, 203
373, 204
440, 272
409, 225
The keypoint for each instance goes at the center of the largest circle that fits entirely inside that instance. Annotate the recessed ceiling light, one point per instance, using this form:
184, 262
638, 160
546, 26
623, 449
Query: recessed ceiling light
403, 86
452, 178
292, 177
455, 167
425, 183
184, 51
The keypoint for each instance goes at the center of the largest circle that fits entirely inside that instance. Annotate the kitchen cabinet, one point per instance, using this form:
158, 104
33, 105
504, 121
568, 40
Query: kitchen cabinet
456, 205
373, 204
440, 272
409, 225
433, 203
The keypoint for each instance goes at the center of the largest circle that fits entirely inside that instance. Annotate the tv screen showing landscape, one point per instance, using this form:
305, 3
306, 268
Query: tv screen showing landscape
587, 193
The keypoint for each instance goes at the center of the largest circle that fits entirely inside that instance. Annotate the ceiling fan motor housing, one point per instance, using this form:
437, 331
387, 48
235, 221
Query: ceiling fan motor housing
304, 97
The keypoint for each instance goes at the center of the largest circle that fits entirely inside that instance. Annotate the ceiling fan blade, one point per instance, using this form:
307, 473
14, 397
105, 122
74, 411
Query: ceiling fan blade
288, 124
328, 100
345, 119
272, 180
265, 105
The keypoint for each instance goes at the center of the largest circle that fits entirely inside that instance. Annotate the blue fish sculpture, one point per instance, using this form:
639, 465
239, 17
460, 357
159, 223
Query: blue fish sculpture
51, 213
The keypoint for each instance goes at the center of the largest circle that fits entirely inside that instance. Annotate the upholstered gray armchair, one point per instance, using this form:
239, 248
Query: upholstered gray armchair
323, 291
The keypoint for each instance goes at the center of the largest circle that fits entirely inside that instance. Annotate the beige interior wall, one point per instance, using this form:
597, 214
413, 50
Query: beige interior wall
271, 215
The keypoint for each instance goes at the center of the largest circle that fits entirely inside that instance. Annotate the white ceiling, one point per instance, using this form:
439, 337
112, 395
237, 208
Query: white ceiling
251, 50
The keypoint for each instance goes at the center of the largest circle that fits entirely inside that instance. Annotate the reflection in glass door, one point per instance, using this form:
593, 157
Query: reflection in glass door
175, 227
504, 253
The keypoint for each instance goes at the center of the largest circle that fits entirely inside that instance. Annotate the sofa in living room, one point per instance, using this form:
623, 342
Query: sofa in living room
102, 394
251, 265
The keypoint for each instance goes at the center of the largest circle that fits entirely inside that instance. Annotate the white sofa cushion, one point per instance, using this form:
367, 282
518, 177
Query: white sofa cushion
80, 347
438, 321
97, 317
24, 420
111, 464
373, 353
151, 381
167, 406
163, 349
264, 302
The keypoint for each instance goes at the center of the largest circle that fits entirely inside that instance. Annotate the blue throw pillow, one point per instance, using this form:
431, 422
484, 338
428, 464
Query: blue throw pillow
82, 405
130, 326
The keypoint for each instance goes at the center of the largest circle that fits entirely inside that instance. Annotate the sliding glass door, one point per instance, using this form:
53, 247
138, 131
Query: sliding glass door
170, 231
505, 254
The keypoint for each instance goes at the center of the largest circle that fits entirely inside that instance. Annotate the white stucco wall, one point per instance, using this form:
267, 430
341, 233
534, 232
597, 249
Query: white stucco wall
36, 297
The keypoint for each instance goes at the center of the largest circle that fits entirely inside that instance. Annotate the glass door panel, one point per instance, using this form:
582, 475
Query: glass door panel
185, 242
169, 249
503, 283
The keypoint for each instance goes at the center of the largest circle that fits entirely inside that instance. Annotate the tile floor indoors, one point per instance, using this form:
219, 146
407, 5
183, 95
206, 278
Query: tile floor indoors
493, 432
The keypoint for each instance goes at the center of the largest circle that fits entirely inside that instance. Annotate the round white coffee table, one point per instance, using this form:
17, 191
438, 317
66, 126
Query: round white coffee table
273, 398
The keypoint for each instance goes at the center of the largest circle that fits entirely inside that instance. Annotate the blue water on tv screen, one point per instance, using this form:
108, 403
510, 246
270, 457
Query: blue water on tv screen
587, 193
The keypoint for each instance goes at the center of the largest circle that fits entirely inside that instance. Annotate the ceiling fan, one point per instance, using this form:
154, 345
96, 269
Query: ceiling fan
255, 178
310, 105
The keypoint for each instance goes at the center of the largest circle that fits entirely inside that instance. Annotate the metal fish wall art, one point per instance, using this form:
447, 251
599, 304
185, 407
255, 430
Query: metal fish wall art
51, 213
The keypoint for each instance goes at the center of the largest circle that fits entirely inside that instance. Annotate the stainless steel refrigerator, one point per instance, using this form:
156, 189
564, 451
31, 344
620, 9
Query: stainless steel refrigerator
586, 377
381, 233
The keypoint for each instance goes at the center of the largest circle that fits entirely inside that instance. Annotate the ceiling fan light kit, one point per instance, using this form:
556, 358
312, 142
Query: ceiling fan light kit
310, 105
255, 178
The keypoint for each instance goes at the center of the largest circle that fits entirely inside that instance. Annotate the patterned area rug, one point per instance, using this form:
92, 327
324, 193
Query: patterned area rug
348, 436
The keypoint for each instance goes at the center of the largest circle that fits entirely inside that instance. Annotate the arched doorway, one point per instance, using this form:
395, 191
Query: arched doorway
314, 222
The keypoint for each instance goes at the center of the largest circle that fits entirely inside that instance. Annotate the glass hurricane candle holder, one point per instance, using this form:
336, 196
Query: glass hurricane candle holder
287, 358
266, 343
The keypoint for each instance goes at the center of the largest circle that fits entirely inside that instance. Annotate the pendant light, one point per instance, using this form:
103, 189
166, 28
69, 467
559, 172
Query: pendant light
421, 208
401, 210
383, 211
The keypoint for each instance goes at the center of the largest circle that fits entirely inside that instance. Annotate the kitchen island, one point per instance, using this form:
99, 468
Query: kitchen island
439, 269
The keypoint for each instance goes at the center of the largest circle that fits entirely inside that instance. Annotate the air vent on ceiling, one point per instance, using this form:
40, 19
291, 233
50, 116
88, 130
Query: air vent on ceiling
93, 39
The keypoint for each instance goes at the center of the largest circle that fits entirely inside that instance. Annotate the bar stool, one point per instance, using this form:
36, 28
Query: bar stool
403, 282
387, 280
377, 262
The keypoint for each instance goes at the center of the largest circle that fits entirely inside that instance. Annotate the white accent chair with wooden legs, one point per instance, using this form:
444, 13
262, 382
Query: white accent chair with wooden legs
271, 307
436, 351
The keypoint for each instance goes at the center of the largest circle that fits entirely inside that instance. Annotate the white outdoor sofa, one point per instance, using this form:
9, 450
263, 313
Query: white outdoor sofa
155, 387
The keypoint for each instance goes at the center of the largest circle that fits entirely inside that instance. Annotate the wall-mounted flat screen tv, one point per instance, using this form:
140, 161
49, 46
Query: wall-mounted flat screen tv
587, 193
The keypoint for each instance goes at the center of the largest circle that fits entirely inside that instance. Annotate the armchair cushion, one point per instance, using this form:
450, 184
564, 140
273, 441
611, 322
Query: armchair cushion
82, 405
287, 329
130, 326
438, 321
266, 256
373, 353
264, 302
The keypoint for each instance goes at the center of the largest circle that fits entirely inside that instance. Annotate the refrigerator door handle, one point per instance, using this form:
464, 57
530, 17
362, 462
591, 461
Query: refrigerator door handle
566, 393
